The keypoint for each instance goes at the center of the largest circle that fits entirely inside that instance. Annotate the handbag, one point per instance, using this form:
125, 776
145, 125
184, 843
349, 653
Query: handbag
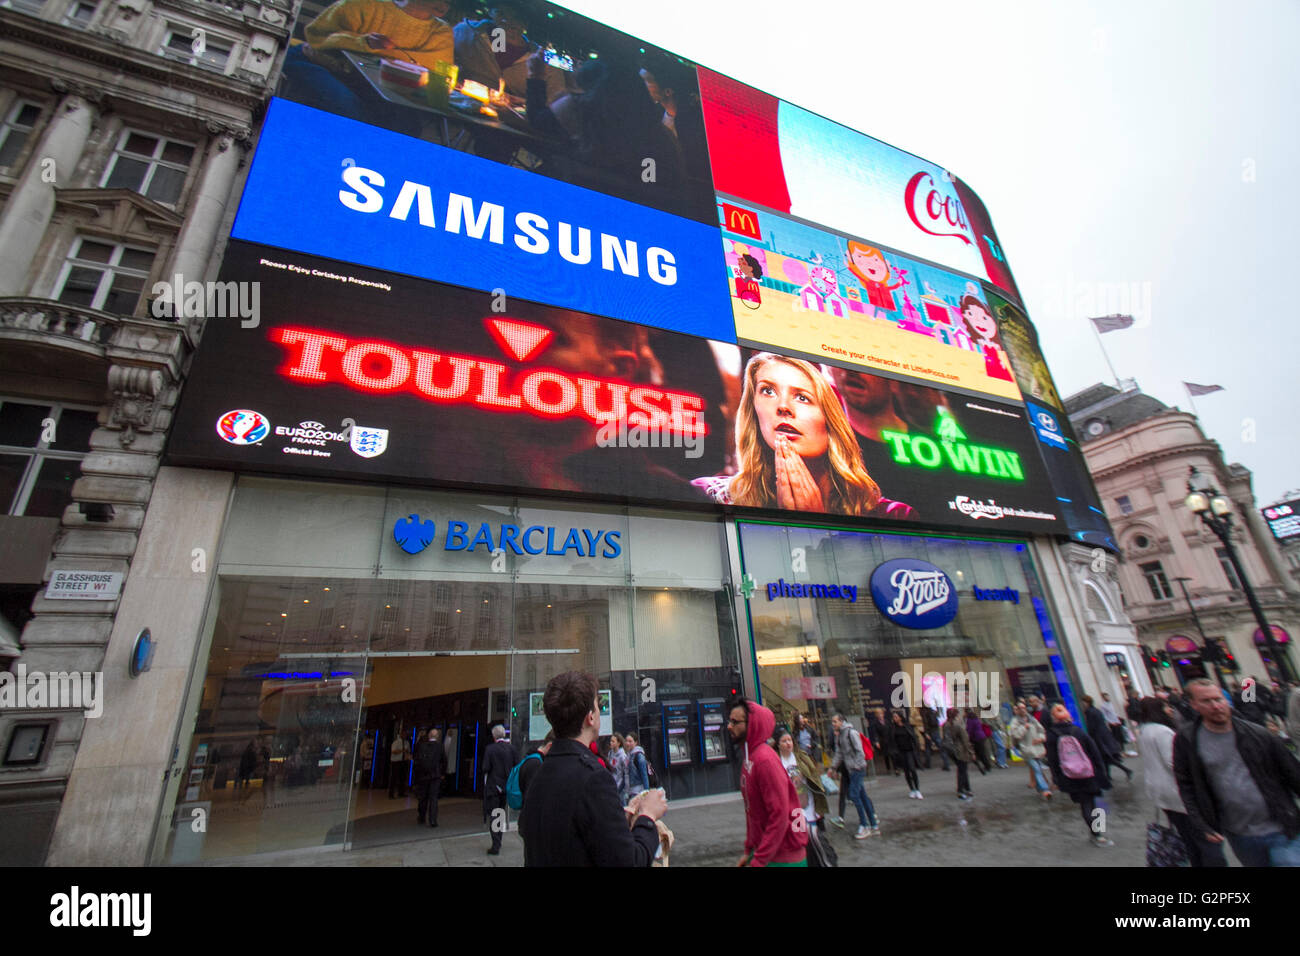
820, 851
1164, 845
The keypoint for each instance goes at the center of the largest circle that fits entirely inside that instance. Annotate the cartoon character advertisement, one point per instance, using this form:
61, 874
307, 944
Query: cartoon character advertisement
832, 298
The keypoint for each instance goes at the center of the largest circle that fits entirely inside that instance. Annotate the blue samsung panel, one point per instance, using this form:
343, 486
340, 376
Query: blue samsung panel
334, 187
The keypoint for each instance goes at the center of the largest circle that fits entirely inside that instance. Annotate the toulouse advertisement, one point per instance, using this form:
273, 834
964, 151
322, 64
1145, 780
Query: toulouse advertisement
766, 151
368, 375
369, 196
803, 289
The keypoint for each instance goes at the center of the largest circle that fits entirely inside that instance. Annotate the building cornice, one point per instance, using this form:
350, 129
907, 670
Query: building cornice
32, 44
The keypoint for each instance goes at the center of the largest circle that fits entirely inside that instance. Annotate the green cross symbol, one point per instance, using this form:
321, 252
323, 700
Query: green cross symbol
747, 585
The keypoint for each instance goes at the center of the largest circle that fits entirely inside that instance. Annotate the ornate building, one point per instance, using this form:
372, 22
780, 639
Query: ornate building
124, 132
1140, 451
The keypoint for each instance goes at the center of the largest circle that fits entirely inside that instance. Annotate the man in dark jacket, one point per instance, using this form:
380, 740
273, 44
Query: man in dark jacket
1237, 780
499, 760
1094, 722
572, 815
430, 768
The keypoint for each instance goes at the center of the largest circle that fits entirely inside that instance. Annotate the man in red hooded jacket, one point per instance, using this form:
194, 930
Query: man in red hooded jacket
776, 831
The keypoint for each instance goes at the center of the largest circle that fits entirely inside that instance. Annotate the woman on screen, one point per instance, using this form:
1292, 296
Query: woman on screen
795, 447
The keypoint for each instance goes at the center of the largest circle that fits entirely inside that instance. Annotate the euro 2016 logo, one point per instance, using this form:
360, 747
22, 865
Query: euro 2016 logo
243, 426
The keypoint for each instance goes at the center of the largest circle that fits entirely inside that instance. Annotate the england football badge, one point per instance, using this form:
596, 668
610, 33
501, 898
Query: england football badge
369, 442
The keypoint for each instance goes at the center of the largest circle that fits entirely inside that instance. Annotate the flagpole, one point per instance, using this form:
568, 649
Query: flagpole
1192, 401
1104, 355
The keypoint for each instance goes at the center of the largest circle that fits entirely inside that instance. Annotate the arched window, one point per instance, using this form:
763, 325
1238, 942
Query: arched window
1096, 602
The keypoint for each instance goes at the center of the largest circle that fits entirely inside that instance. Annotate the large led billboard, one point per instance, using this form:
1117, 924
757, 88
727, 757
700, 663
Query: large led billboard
768, 152
526, 84
334, 187
1066, 467
834, 298
360, 374
1283, 519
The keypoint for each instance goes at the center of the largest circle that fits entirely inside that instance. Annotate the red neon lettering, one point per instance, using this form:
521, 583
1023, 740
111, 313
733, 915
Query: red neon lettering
355, 362
373, 366
313, 348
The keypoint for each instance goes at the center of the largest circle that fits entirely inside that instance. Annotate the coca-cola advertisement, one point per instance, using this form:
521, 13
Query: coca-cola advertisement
773, 154
359, 374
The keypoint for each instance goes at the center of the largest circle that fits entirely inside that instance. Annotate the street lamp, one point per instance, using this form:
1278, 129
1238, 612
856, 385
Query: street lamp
1215, 511
1205, 641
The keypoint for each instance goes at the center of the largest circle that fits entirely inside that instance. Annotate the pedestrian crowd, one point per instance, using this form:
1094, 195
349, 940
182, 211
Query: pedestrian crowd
1219, 768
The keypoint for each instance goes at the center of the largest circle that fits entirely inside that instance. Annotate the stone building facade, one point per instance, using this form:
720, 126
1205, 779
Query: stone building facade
1139, 452
124, 132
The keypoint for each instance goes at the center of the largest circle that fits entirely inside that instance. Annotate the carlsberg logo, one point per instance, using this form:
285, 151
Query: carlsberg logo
916, 592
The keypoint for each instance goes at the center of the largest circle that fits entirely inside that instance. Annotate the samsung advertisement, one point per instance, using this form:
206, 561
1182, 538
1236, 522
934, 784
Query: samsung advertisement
377, 198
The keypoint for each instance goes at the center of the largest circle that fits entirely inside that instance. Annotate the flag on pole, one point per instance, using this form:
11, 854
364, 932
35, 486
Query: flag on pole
1112, 323
1193, 389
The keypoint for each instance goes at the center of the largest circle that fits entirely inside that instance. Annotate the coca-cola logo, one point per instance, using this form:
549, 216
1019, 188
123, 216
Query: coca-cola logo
933, 212
914, 594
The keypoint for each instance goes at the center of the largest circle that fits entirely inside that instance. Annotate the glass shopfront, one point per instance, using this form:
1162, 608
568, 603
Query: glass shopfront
822, 645
347, 619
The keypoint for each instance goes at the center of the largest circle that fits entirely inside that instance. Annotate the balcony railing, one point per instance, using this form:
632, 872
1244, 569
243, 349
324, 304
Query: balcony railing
45, 317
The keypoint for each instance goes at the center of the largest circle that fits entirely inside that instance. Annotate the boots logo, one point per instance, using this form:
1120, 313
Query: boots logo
914, 594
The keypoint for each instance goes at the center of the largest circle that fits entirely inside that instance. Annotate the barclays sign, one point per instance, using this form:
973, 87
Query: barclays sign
914, 594
413, 535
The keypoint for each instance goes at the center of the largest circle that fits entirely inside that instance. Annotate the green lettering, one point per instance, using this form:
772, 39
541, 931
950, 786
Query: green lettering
897, 439
961, 457
926, 451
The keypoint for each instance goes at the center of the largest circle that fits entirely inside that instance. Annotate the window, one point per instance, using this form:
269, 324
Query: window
1141, 542
17, 127
1229, 571
105, 276
1096, 603
1156, 580
183, 43
1125, 506
25, 6
36, 474
80, 13
150, 165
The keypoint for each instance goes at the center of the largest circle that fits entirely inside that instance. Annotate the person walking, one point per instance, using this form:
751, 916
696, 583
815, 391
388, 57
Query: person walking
903, 747
616, 763
808, 788
1237, 781
999, 739
399, 752
957, 744
638, 770
499, 759
772, 807
1156, 737
978, 738
933, 736
875, 732
850, 756
1078, 768
1293, 715
430, 768
1094, 723
1028, 736
572, 815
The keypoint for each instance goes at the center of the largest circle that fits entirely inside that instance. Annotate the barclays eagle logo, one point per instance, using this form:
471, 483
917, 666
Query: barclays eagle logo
413, 535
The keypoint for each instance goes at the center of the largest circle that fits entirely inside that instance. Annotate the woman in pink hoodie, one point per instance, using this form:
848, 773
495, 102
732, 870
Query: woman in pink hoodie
776, 831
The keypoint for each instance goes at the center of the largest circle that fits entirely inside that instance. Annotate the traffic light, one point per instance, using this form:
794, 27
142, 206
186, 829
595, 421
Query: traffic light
1164, 659
1210, 653
1227, 663
1152, 659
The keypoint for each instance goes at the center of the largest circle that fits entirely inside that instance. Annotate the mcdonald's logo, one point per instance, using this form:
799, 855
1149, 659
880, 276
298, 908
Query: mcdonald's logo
740, 221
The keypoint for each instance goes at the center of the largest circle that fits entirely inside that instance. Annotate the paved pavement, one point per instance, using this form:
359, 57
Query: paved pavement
1006, 824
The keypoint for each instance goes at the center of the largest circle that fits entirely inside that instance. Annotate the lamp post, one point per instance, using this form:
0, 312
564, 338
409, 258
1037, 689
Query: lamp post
1205, 641
1215, 511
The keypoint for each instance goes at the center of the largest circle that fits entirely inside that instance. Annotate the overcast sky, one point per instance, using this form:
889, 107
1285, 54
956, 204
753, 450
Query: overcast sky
1135, 157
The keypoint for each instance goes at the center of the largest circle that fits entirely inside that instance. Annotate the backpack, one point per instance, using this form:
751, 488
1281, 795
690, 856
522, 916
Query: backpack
1075, 762
515, 796
867, 750
652, 778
